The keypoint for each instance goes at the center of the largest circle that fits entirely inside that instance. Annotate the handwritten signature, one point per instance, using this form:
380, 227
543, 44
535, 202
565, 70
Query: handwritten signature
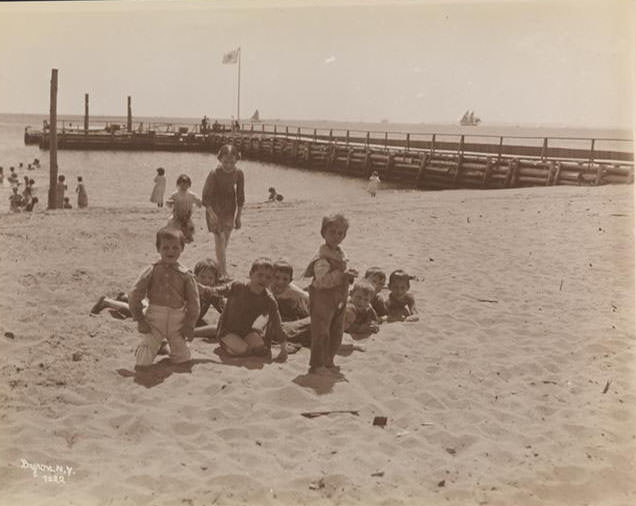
57, 473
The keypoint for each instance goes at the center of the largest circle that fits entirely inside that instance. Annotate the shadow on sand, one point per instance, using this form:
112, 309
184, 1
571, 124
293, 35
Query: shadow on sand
156, 374
320, 383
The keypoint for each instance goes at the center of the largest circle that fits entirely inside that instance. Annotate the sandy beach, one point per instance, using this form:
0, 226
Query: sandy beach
516, 387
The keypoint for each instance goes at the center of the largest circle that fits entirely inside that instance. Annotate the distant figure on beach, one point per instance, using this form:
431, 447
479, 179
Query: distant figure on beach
82, 197
173, 302
27, 193
250, 320
400, 304
36, 163
328, 294
15, 200
374, 183
60, 189
216, 126
360, 318
159, 189
205, 123
274, 196
223, 196
13, 177
1, 175
31, 205
67, 203
182, 201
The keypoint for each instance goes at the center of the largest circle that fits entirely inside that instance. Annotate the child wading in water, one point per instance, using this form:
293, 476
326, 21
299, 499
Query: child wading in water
328, 294
173, 308
223, 197
82, 197
182, 201
160, 187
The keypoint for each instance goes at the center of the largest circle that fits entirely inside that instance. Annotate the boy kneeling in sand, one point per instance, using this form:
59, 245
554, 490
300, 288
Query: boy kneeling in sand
293, 306
173, 298
250, 318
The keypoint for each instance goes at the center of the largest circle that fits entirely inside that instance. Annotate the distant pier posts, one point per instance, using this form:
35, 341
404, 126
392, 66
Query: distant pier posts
85, 113
53, 141
129, 123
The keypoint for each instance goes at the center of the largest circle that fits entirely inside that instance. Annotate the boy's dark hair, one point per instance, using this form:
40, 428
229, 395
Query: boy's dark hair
169, 234
400, 275
271, 189
184, 178
261, 263
365, 286
66, 199
61, 178
372, 271
206, 264
279, 197
228, 149
284, 266
79, 178
331, 219
161, 171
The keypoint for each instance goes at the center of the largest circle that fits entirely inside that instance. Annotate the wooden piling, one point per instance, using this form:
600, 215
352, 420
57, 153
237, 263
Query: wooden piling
85, 113
129, 122
53, 141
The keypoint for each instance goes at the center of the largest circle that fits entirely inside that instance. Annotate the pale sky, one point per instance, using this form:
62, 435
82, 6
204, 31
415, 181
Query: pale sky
521, 62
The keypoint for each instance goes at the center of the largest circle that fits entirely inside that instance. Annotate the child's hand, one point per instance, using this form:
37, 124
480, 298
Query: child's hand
350, 275
237, 223
214, 220
374, 327
143, 326
188, 332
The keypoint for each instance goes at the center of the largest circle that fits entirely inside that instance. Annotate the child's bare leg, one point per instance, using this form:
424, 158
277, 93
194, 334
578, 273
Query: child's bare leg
235, 345
106, 302
220, 245
208, 331
255, 344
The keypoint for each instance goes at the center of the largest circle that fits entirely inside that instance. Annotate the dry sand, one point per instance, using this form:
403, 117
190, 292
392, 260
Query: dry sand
516, 387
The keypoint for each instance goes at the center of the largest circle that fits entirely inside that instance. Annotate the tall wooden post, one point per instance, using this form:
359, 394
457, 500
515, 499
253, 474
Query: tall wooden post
85, 113
53, 141
129, 124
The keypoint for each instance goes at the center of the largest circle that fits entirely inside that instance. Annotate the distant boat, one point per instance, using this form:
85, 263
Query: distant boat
469, 119
255, 117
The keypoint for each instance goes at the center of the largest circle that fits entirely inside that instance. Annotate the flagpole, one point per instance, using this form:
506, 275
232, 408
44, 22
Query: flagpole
238, 98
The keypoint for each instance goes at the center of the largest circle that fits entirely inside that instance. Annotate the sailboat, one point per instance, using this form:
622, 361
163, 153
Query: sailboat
469, 119
255, 117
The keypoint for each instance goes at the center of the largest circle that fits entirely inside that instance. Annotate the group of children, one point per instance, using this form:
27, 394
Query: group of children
168, 301
26, 200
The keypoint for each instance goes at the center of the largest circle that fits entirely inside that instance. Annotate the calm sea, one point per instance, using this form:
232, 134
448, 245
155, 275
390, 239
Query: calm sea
124, 179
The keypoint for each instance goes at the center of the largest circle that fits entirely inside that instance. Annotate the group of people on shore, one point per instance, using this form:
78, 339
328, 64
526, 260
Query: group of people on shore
169, 302
26, 200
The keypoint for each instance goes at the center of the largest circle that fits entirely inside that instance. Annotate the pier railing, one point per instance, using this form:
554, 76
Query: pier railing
423, 160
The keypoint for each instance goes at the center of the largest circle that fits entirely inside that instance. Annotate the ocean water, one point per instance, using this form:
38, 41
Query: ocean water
124, 179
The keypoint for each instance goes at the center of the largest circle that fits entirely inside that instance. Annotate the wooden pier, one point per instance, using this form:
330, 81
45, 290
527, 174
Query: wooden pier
426, 161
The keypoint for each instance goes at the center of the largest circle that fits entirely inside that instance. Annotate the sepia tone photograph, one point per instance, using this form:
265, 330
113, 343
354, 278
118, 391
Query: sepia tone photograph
317, 253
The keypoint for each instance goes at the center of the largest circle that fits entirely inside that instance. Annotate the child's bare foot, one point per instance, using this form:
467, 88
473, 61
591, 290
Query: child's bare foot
163, 349
97, 308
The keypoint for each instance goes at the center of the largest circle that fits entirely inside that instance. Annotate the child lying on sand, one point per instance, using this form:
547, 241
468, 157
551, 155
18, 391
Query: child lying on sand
400, 304
360, 318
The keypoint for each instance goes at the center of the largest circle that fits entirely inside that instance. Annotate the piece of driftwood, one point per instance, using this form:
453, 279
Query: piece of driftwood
314, 414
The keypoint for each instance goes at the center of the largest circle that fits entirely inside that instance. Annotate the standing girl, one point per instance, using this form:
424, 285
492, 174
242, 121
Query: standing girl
223, 197
82, 197
374, 182
60, 188
159, 188
182, 201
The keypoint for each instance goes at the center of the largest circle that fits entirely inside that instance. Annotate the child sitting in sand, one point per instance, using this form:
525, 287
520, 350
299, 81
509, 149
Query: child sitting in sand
239, 331
67, 203
293, 305
377, 278
173, 302
182, 201
274, 196
15, 201
206, 274
400, 304
328, 294
360, 318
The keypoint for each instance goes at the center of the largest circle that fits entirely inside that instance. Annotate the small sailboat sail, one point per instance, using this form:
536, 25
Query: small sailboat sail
469, 119
256, 116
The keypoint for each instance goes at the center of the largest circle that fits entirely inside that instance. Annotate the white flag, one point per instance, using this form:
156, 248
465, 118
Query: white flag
232, 56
